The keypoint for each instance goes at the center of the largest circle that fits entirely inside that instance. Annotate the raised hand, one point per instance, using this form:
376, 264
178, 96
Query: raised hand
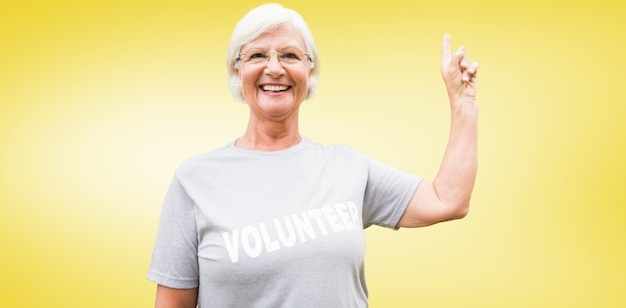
459, 72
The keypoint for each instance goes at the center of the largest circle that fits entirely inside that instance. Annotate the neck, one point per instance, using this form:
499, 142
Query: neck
268, 135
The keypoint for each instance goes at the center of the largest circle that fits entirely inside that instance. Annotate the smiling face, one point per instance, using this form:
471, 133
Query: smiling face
275, 89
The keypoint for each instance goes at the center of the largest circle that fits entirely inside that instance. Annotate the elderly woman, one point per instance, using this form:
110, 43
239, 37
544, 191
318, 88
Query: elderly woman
275, 220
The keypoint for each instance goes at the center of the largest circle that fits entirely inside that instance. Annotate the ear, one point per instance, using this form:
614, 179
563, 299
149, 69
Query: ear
237, 68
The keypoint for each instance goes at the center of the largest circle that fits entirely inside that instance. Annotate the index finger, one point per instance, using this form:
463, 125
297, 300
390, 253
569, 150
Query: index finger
446, 53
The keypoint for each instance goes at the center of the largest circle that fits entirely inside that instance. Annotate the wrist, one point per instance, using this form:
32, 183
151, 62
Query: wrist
464, 105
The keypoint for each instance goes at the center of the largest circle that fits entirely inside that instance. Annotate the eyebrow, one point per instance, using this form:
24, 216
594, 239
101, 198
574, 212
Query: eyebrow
283, 48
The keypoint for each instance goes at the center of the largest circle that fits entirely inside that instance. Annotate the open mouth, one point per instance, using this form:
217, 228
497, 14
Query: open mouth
274, 88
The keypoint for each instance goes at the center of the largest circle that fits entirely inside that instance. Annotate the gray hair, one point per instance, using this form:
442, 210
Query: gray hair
264, 19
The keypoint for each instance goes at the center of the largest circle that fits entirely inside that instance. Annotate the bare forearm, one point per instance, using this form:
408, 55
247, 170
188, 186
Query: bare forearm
455, 179
448, 196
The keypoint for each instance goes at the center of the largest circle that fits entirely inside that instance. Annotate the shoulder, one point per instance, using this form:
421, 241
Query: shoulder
202, 162
342, 151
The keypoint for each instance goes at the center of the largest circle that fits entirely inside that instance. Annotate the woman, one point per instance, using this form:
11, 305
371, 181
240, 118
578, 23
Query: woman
274, 220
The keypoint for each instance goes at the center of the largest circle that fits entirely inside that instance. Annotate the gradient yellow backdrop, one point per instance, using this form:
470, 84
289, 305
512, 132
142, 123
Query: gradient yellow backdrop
101, 100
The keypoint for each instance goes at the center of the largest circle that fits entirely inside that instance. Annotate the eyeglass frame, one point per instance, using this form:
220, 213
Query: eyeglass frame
278, 56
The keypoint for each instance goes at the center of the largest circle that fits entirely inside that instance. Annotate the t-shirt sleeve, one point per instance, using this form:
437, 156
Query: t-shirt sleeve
175, 256
387, 194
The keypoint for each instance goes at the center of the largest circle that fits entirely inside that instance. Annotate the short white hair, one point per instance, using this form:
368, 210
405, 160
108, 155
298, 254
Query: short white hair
264, 19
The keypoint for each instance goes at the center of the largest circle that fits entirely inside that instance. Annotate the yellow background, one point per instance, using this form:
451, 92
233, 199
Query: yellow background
101, 100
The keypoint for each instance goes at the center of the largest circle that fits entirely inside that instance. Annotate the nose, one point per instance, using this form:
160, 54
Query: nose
274, 67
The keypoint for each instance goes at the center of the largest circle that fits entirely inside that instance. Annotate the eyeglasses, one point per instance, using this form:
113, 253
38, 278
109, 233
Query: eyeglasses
258, 56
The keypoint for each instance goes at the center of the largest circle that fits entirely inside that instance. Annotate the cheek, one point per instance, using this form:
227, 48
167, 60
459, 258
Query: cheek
248, 77
247, 81
301, 78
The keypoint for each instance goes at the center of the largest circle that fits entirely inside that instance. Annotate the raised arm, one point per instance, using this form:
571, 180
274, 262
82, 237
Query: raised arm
448, 196
176, 298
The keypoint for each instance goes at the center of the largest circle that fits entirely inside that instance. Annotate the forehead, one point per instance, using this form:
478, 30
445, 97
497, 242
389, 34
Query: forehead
282, 36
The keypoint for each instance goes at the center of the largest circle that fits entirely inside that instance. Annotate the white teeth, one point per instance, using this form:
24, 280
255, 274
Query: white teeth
274, 88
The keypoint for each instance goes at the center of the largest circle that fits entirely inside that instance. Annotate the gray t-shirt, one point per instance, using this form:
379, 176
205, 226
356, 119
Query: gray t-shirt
276, 229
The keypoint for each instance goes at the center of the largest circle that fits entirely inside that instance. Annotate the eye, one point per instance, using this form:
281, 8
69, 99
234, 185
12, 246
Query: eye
290, 56
256, 55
